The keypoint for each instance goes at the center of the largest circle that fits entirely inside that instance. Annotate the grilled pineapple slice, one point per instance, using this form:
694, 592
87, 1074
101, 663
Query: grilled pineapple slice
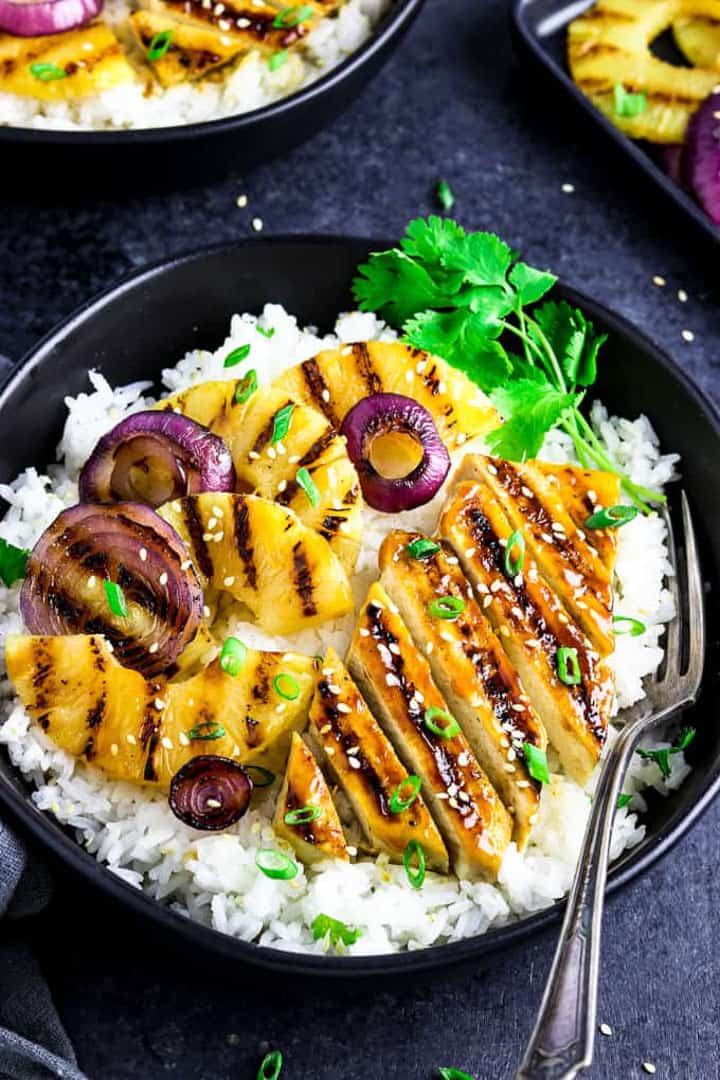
335, 380
91, 59
262, 556
305, 786
143, 732
256, 26
193, 51
610, 45
699, 41
270, 469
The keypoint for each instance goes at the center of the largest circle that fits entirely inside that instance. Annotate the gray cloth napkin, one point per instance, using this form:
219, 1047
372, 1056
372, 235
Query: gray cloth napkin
33, 1043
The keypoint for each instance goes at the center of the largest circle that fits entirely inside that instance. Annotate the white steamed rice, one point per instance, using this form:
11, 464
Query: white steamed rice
249, 85
213, 878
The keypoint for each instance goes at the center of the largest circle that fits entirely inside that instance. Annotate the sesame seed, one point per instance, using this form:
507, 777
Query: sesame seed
364, 632
509, 768
442, 388
114, 749
159, 704
280, 448
241, 200
463, 758
504, 631
334, 689
354, 763
409, 375
280, 708
282, 486
687, 335
461, 438
469, 553
185, 565
605, 1029
294, 458
272, 453
184, 741
229, 582
463, 796
659, 281
343, 708
325, 729
218, 537
163, 578
568, 189
441, 795
253, 455
143, 554
351, 850
649, 1067
206, 611
523, 783
131, 739
429, 648
325, 395
257, 224
91, 582
452, 560
454, 803
154, 648
329, 750
225, 40
166, 743
207, 537
682, 296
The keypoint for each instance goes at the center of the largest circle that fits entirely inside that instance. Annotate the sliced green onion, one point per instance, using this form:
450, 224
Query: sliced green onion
625, 625
278, 59
160, 45
537, 763
662, 755
303, 815
514, 566
274, 864
415, 874
270, 1066
267, 776
232, 656
420, 549
446, 607
686, 736
611, 517
13, 562
236, 356
306, 482
266, 333
627, 103
116, 599
208, 731
246, 387
397, 803
47, 72
281, 422
445, 195
454, 1074
568, 666
293, 16
338, 930
286, 686
623, 800
447, 729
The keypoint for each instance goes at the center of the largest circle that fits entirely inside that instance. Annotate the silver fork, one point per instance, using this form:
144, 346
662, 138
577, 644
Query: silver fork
564, 1034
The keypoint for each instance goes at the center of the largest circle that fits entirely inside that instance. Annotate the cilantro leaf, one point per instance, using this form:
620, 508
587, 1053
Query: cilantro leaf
662, 755
531, 284
623, 800
572, 338
338, 931
464, 340
531, 407
397, 287
13, 562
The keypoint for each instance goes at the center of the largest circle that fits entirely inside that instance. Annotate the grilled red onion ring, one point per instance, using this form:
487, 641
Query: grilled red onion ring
153, 457
131, 546
22, 19
210, 793
395, 446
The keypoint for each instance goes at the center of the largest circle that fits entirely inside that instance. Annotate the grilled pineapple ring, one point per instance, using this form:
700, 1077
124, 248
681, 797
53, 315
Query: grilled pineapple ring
699, 41
610, 44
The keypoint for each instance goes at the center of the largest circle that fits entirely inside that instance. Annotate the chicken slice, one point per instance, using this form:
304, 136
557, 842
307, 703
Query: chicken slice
583, 491
570, 564
305, 786
396, 682
250, 25
193, 52
471, 670
533, 626
365, 765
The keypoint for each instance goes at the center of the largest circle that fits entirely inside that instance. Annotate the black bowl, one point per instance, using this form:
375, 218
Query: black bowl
102, 163
540, 28
147, 322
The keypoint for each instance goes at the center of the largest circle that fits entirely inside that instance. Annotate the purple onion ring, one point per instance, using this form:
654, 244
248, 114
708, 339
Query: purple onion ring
46, 17
210, 793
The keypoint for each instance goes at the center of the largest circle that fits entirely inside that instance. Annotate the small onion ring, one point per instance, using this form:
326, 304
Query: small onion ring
46, 17
210, 793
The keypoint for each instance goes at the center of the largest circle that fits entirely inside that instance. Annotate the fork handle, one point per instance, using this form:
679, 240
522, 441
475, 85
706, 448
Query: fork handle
562, 1040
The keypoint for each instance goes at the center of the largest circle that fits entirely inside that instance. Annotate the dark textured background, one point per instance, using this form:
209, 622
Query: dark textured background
453, 103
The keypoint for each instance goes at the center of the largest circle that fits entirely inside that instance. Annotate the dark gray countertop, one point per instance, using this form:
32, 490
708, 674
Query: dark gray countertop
453, 103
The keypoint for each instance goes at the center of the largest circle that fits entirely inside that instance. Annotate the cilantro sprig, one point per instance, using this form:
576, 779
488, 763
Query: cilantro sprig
662, 756
13, 561
468, 298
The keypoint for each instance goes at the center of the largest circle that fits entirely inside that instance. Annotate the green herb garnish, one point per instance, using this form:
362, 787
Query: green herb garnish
13, 562
232, 656
441, 723
568, 666
414, 863
536, 763
293, 16
270, 1066
207, 731
623, 800
246, 387
454, 1074
662, 756
47, 72
325, 925
411, 785
623, 624
420, 549
236, 356
278, 59
513, 565
267, 777
445, 196
303, 815
627, 103
286, 686
306, 482
266, 333
281, 422
446, 607
611, 517
116, 600
274, 864
159, 45
466, 297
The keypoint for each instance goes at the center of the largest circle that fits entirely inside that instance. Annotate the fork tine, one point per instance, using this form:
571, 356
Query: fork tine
674, 631
696, 607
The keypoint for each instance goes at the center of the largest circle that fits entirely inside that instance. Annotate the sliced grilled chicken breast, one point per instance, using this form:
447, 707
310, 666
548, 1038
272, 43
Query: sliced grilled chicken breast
305, 786
533, 626
270, 468
396, 682
583, 491
143, 732
565, 557
264, 557
335, 380
472, 671
362, 760
250, 25
91, 58
194, 51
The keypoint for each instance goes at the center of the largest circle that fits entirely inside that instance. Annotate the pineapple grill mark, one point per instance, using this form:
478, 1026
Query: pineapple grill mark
241, 527
318, 390
373, 783
195, 531
364, 365
261, 683
319, 447
493, 558
303, 578
444, 761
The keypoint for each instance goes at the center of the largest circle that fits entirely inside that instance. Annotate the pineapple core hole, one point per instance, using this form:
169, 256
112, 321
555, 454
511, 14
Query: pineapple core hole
395, 454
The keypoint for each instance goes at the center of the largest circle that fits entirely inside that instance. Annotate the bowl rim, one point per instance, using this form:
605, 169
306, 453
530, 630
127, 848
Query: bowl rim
63, 848
397, 18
